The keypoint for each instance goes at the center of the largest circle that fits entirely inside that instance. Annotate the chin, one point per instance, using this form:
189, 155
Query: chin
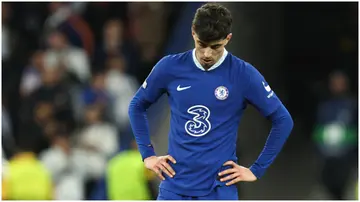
207, 65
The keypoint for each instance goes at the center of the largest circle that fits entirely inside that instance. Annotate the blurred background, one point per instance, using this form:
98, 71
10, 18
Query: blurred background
69, 71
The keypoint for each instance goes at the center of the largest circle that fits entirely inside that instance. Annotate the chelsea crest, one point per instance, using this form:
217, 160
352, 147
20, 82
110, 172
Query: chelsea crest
221, 93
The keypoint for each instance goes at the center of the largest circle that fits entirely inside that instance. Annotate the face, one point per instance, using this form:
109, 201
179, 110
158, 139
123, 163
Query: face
54, 6
37, 59
113, 33
50, 129
99, 82
338, 84
57, 41
63, 143
116, 63
44, 111
93, 114
51, 76
5, 12
209, 53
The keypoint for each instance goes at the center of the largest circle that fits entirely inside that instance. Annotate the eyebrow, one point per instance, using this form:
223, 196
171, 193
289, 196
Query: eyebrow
217, 44
201, 42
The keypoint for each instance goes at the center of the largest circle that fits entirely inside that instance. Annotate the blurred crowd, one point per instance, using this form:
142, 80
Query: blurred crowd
69, 72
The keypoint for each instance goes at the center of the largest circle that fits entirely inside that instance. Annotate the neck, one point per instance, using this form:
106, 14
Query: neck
208, 67
24, 154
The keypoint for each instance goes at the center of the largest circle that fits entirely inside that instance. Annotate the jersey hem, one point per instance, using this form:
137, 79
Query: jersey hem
175, 189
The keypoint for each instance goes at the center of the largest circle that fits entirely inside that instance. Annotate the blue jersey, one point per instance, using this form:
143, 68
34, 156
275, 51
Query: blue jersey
206, 108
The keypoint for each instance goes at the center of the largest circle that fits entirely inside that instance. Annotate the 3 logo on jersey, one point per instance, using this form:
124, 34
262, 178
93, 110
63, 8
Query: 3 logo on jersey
200, 124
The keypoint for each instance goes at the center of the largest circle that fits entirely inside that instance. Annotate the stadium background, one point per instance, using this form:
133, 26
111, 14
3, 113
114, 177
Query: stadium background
70, 69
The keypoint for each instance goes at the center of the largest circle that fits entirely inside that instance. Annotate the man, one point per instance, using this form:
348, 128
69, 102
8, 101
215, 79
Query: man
208, 91
335, 135
25, 177
134, 182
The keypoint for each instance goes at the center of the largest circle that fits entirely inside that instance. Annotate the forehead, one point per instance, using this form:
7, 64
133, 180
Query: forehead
218, 42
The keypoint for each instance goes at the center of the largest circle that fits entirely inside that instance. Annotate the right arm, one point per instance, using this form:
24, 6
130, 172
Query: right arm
139, 123
154, 86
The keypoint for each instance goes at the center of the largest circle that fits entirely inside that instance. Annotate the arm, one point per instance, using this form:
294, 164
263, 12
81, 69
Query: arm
5, 187
262, 97
153, 87
80, 65
259, 94
282, 125
151, 90
139, 124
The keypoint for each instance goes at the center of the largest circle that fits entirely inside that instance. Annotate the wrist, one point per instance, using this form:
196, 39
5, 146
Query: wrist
149, 158
146, 151
256, 170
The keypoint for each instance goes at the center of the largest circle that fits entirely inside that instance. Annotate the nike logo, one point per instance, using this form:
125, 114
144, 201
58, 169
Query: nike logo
267, 88
182, 88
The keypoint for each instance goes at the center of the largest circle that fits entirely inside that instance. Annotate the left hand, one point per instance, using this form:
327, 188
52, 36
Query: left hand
236, 174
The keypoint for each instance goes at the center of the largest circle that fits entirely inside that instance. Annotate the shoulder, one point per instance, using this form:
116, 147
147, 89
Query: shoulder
117, 159
243, 70
43, 169
171, 61
178, 58
76, 52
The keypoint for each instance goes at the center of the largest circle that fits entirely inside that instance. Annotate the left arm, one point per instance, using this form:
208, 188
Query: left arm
260, 95
282, 125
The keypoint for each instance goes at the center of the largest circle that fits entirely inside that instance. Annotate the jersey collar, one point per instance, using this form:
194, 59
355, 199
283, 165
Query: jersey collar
217, 64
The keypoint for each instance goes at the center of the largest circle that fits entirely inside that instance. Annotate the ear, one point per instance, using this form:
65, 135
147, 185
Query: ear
193, 33
229, 36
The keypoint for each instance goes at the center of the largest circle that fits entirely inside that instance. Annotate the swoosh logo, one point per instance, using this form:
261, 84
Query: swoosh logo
179, 88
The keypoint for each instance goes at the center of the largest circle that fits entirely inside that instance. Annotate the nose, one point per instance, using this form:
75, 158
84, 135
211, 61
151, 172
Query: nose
207, 52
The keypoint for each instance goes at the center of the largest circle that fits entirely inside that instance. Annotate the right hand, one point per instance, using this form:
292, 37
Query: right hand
160, 165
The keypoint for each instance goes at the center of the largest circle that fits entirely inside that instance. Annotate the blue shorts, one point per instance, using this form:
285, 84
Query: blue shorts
219, 193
